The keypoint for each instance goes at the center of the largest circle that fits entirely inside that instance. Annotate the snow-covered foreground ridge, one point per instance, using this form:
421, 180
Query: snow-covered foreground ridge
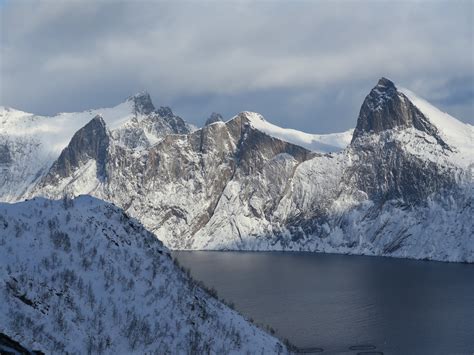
79, 276
401, 187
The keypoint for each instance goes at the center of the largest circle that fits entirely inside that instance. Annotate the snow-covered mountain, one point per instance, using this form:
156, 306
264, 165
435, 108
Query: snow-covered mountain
401, 187
79, 276
29, 143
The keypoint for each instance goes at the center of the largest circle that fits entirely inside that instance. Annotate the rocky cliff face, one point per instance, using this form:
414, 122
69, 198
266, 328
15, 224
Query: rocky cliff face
149, 125
30, 144
177, 184
5, 156
89, 143
401, 188
386, 108
142, 104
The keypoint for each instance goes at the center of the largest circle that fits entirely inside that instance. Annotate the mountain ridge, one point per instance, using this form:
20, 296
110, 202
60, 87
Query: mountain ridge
238, 185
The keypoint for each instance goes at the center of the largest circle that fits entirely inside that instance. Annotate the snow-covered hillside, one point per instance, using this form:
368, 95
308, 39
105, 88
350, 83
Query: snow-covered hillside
29, 143
79, 276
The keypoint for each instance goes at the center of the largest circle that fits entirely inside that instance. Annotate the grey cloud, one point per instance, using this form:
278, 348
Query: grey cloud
306, 65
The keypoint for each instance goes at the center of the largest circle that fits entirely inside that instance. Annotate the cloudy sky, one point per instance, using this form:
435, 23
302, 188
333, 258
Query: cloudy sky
304, 64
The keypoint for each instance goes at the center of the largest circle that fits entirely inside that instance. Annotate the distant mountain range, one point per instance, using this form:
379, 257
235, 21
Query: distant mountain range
400, 184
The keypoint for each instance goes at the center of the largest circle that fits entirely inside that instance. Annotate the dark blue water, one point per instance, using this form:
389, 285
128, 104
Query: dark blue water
338, 301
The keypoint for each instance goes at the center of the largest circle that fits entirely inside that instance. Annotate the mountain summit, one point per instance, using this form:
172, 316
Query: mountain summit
142, 103
213, 118
387, 108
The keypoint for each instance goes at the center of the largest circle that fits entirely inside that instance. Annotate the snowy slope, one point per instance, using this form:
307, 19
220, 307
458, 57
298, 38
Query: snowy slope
31, 143
321, 143
79, 276
55, 132
456, 133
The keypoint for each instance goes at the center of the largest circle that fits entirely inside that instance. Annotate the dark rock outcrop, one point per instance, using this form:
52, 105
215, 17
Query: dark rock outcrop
255, 147
385, 171
176, 123
9, 346
5, 155
165, 111
213, 118
387, 108
142, 103
90, 142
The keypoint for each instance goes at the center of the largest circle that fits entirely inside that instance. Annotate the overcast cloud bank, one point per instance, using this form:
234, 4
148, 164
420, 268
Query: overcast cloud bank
306, 65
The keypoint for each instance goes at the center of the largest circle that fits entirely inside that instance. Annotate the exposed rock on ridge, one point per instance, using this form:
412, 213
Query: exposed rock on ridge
213, 118
142, 103
386, 108
90, 142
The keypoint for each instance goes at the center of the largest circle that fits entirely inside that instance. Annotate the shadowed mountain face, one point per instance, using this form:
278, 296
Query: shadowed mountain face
232, 186
194, 170
9, 346
142, 104
386, 108
213, 118
385, 171
5, 156
175, 122
89, 143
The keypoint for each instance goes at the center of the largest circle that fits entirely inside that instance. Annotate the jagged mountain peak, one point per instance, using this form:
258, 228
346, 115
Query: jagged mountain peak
255, 119
385, 108
95, 127
87, 144
252, 116
385, 83
142, 103
213, 118
97, 120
